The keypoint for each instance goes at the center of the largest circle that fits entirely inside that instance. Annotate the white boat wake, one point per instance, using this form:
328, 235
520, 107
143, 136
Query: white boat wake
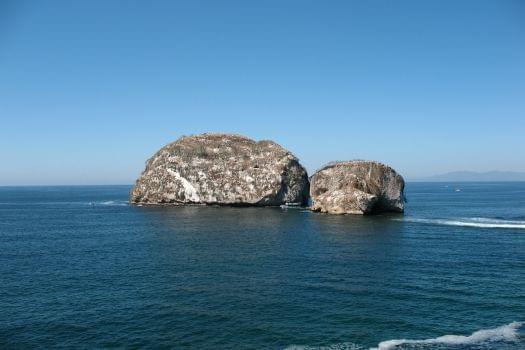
470, 222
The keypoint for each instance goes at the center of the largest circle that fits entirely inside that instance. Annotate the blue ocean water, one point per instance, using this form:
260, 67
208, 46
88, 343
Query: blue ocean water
80, 268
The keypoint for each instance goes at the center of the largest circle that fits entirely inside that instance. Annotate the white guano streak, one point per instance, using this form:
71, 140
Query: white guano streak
190, 193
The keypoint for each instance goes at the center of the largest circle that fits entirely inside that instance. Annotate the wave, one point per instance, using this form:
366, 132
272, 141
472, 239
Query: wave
340, 346
113, 203
507, 333
470, 222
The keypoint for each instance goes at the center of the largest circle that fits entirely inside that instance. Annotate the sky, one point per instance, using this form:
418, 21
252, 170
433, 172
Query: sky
89, 90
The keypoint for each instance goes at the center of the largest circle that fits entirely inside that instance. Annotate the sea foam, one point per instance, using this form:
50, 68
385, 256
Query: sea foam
506, 333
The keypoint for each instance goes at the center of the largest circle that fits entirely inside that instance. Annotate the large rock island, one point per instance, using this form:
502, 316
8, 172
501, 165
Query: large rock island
223, 169
357, 187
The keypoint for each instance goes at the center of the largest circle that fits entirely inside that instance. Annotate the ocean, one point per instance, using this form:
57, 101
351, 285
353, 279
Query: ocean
80, 268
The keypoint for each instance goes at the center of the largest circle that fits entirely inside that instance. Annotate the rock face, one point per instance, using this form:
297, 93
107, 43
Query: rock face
222, 169
357, 187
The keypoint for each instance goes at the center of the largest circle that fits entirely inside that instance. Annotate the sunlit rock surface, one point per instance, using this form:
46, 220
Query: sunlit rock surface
357, 187
224, 169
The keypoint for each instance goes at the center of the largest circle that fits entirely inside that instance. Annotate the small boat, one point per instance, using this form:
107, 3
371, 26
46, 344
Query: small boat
290, 205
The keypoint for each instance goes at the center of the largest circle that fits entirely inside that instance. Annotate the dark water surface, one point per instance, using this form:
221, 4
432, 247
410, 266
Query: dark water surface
79, 268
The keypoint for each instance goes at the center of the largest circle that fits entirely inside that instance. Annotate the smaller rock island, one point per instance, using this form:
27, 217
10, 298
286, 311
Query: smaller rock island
357, 187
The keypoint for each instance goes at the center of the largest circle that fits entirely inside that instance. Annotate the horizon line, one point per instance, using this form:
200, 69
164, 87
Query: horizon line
131, 184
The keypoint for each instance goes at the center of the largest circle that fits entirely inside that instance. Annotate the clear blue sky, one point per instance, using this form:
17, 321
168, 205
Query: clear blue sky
90, 89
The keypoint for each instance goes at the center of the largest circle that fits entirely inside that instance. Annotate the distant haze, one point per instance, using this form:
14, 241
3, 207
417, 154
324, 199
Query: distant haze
476, 176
